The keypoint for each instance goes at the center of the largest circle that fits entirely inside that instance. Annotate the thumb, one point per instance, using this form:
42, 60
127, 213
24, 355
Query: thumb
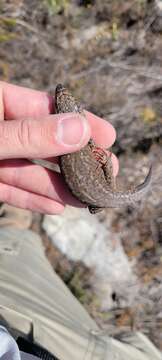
52, 136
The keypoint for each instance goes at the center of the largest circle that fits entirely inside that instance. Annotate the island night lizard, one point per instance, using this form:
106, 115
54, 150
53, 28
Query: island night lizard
88, 173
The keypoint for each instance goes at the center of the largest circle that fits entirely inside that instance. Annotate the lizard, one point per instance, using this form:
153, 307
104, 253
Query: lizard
88, 173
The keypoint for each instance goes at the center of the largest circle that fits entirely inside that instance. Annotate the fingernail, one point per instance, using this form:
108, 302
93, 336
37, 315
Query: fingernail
72, 129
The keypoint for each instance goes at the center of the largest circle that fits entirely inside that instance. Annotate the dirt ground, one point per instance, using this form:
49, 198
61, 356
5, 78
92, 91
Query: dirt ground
109, 54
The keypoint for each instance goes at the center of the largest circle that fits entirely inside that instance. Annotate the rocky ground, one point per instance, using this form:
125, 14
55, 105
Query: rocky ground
109, 54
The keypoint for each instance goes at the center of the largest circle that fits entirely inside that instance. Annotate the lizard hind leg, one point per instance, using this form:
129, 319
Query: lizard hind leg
108, 172
104, 161
94, 210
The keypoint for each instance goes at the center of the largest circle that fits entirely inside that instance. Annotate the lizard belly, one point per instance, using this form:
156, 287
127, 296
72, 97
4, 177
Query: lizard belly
85, 177
86, 181
78, 170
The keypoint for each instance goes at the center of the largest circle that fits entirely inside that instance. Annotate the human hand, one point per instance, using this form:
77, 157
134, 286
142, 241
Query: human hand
31, 130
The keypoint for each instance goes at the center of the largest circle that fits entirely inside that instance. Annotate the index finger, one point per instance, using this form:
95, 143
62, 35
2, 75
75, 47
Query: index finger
20, 102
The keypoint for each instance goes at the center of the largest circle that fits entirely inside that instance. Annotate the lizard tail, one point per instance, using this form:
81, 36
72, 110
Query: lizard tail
130, 197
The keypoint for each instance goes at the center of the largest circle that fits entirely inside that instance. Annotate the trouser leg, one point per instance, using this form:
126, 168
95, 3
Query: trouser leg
35, 303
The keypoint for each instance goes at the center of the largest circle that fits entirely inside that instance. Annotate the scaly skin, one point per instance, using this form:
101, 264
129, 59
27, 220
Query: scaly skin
88, 172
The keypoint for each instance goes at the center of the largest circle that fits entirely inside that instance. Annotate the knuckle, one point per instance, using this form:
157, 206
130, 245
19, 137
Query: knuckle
24, 133
34, 135
3, 132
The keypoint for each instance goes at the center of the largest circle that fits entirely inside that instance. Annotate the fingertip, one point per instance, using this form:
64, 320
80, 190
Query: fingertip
112, 133
103, 132
55, 209
115, 162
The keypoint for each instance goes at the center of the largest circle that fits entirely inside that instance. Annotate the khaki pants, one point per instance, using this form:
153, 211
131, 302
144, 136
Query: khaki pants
35, 303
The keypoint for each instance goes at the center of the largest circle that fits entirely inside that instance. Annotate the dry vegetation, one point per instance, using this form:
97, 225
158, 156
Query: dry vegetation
102, 51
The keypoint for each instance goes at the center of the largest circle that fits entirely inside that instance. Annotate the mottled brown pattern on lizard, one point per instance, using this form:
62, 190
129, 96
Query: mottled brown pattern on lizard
88, 172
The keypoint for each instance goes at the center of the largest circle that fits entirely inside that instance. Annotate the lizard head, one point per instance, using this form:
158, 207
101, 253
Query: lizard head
64, 101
